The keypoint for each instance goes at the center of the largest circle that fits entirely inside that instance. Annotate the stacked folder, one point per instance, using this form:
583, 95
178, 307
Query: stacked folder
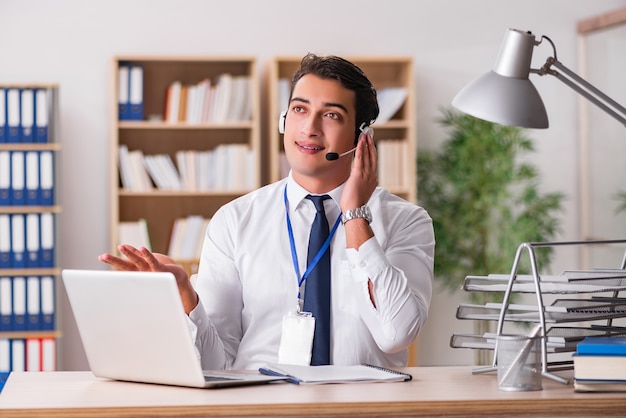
24, 115
27, 229
26, 178
130, 94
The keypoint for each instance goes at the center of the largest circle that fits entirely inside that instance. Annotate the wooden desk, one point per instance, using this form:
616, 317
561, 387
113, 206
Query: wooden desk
434, 391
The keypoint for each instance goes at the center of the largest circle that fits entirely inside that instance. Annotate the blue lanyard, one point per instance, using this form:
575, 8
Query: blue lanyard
294, 255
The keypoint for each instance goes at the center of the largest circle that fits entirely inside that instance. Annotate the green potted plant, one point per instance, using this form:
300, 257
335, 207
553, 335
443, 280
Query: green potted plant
484, 200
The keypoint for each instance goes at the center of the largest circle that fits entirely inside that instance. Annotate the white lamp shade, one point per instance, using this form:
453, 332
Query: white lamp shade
505, 95
503, 100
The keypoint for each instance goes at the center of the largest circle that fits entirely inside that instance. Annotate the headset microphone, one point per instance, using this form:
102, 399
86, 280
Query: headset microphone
332, 156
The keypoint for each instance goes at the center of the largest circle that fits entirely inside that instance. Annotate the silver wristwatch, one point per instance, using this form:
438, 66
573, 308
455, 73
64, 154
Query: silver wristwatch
362, 212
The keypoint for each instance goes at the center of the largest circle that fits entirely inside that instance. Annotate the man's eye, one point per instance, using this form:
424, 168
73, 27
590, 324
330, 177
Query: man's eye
332, 115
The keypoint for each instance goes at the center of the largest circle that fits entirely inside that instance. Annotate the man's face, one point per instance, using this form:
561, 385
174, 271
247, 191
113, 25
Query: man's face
320, 119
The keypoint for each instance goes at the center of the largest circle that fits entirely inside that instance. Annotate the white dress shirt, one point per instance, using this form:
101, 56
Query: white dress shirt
247, 282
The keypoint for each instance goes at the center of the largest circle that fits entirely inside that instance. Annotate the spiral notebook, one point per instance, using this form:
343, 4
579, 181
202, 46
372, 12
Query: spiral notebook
364, 373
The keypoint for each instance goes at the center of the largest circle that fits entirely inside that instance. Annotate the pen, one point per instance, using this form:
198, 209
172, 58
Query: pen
269, 372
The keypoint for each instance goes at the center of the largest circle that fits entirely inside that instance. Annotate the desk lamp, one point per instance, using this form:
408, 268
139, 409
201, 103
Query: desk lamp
506, 96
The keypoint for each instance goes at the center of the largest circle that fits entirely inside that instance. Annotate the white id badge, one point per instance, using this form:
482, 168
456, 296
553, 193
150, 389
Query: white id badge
296, 341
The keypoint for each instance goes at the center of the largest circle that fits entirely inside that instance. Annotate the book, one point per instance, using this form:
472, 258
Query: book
135, 233
390, 101
599, 367
600, 358
612, 346
591, 385
187, 237
364, 373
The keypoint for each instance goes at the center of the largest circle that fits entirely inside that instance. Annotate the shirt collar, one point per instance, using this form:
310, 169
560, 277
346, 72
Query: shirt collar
296, 193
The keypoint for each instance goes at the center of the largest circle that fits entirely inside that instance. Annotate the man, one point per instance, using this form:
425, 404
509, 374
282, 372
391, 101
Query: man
253, 269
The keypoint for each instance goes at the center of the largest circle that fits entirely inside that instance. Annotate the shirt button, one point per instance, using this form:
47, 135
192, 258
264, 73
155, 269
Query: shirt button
363, 264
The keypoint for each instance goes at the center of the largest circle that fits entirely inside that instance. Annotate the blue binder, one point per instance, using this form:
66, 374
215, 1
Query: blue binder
46, 244
27, 115
3, 379
31, 163
46, 178
42, 115
18, 172
12, 134
5, 241
33, 303
19, 304
33, 234
6, 303
48, 307
3, 114
5, 360
123, 92
135, 98
18, 241
5, 178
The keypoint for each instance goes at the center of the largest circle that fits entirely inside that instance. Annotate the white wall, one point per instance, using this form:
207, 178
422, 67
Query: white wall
452, 41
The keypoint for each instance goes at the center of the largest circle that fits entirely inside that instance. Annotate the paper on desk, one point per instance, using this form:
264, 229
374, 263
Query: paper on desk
334, 374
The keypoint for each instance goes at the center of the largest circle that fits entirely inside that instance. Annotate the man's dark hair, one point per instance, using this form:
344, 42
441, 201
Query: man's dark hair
350, 76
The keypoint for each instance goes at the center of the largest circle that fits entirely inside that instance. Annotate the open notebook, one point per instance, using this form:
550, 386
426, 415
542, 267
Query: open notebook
312, 375
133, 328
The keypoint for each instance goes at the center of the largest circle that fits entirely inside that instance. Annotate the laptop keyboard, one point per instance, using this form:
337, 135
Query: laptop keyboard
208, 378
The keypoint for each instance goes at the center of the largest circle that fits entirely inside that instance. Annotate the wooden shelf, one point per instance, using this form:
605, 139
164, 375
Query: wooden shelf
31, 334
30, 209
56, 271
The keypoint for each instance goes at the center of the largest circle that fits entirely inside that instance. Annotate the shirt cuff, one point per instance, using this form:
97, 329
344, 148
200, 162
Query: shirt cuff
369, 260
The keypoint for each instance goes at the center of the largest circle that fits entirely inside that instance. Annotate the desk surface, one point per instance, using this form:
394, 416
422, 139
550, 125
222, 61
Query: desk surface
440, 391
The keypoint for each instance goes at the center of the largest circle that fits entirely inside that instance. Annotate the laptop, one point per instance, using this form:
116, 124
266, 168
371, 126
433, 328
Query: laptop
133, 328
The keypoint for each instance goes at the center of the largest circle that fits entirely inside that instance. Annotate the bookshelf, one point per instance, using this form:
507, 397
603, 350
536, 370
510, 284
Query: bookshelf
29, 147
152, 128
395, 137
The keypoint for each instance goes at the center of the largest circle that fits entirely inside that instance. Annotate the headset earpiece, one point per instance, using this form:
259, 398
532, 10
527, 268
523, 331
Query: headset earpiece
366, 129
281, 122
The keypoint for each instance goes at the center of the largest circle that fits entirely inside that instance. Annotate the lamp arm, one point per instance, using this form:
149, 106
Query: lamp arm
598, 97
